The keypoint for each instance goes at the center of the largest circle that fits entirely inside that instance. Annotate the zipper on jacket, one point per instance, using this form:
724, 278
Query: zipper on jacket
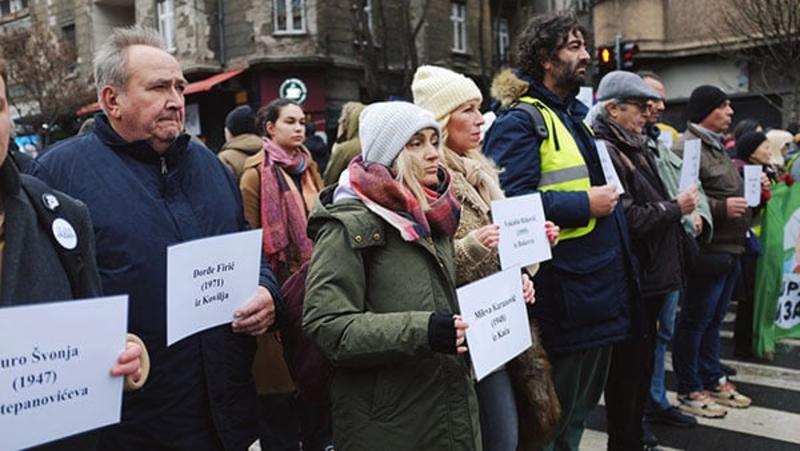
164, 166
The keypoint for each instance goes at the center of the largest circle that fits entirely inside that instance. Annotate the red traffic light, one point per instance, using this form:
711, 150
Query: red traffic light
629, 50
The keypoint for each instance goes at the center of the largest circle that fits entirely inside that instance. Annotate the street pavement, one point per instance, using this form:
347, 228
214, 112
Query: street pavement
772, 423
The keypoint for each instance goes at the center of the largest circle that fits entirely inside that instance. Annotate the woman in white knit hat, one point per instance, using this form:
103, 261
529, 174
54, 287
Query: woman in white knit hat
455, 102
380, 297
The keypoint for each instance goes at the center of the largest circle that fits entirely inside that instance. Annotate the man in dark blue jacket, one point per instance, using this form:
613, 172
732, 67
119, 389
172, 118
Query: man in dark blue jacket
586, 294
148, 186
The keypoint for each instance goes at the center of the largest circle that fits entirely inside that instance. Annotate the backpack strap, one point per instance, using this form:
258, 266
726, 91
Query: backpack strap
539, 126
51, 217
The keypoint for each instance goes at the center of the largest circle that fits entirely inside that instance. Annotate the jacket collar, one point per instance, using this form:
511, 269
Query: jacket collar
139, 150
610, 130
571, 105
714, 140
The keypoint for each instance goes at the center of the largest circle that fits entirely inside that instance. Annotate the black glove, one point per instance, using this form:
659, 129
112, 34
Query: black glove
442, 333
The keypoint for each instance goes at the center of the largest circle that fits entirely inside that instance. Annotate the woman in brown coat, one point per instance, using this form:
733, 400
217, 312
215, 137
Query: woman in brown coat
455, 102
279, 185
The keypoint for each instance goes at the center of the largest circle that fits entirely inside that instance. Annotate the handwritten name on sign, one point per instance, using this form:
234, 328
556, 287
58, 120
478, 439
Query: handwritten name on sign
498, 321
523, 240
54, 369
752, 184
208, 279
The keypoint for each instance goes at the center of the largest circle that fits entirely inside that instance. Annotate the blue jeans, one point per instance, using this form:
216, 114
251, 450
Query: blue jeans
666, 328
696, 351
498, 412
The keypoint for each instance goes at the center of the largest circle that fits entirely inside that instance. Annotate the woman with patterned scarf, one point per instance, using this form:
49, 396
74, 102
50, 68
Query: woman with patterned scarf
455, 102
279, 185
380, 293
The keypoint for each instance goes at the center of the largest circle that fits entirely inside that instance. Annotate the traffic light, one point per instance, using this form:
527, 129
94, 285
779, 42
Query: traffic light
629, 50
606, 60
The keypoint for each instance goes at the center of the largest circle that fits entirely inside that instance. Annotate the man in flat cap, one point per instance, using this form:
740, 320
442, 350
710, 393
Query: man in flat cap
654, 224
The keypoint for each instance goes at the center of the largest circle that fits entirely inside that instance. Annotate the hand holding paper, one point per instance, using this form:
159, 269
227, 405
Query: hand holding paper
735, 206
488, 236
257, 315
602, 200
687, 200
129, 362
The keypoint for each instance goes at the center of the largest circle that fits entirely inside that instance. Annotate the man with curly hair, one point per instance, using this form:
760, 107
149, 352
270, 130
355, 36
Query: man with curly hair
586, 294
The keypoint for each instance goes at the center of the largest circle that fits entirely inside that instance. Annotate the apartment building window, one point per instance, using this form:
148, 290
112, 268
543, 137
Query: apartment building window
368, 14
458, 15
68, 33
290, 16
11, 6
166, 22
503, 40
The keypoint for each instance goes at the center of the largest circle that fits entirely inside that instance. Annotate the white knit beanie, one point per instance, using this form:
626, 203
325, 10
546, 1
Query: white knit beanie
386, 127
441, 90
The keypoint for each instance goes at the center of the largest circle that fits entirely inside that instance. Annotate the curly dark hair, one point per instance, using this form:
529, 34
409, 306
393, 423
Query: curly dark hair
541, 40
270, 113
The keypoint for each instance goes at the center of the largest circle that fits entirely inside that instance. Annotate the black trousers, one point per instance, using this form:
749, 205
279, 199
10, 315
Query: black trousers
628, 382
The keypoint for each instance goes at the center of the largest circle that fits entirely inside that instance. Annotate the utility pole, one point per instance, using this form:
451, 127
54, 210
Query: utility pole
618, 50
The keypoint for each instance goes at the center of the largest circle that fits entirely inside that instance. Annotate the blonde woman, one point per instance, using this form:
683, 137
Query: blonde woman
455, 102
380, 299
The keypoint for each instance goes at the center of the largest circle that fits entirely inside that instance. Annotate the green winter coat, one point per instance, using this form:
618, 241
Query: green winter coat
369, 296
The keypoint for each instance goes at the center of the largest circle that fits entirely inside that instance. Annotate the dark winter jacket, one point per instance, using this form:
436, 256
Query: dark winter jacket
654, 220
141, 202
585, 294
369, 298
721, 180
31, 269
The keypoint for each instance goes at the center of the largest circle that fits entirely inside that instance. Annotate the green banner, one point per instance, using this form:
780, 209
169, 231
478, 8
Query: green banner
777, 301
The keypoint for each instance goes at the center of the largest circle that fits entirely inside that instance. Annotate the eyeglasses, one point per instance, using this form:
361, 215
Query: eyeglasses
641, 105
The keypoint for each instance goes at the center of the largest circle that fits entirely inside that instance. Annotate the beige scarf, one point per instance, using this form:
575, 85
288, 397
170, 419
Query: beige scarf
478, 172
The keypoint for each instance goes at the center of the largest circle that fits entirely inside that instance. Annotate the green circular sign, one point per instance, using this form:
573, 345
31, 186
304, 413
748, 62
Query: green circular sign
293, 89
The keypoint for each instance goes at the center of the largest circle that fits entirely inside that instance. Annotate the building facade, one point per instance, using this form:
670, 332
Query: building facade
323, 53
690, 43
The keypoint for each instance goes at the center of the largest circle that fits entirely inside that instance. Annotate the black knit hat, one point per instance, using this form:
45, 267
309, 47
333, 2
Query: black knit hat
703, 101
748, 143
241, 120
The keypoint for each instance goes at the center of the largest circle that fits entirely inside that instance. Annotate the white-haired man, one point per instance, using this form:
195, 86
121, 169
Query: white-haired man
148, 186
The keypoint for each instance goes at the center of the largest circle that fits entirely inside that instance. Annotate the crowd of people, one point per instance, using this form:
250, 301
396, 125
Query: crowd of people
362, 252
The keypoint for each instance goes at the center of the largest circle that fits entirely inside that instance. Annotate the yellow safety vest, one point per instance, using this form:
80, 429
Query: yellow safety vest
561, 163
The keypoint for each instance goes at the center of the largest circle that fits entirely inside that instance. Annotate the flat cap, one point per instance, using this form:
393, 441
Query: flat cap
620, 84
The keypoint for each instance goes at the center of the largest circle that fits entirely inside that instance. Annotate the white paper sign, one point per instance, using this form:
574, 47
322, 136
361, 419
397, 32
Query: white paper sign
523, 239
752, 184
666, 138
690, 168
585, 95
208, 279
608, 167
498, 320
55, 362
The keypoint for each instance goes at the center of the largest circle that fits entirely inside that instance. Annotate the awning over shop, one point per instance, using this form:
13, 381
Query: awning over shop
192, 88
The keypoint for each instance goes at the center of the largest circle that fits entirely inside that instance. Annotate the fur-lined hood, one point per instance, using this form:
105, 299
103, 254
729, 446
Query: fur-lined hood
508, 87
